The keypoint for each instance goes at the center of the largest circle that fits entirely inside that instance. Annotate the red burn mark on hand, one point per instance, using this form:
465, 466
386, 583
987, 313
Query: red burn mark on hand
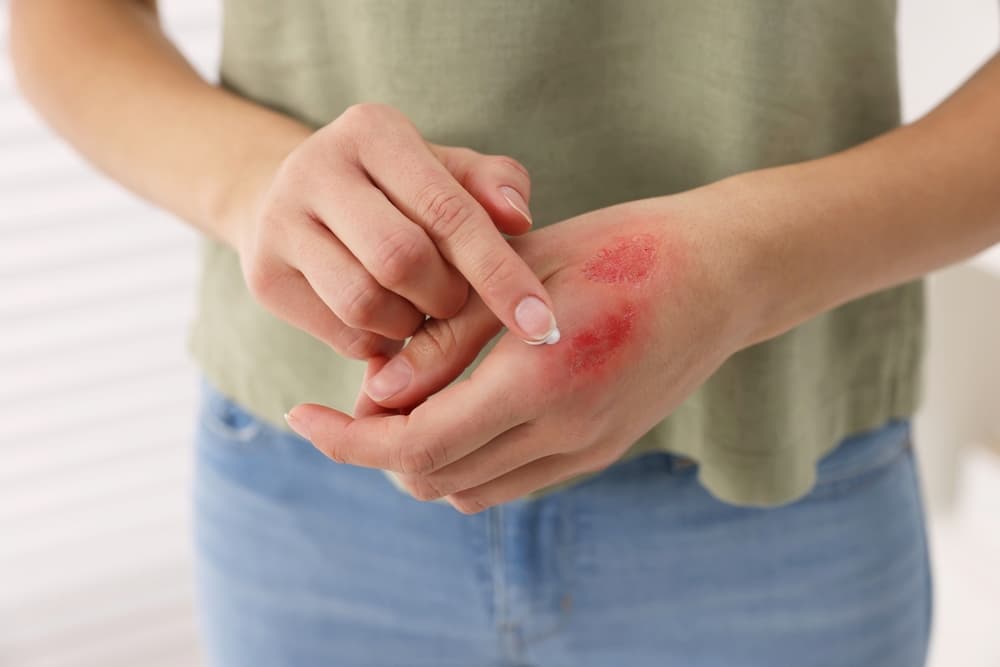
630, 260
590, 349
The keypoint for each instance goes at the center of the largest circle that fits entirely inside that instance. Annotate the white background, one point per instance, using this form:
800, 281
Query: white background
97, 396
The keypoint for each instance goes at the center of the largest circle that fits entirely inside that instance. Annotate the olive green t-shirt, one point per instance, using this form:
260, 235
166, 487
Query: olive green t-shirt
604, 101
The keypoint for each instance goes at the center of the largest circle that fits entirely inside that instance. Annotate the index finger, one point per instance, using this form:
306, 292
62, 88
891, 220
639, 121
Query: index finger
405, 168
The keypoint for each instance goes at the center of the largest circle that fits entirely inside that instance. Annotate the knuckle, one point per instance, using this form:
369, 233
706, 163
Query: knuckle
359, 303
467, 503
508, 163
422, 488
443, 210
294, 172
399, 257
422, 457
462, 156
332, 453
363, 115
262, 279
453, 298
417, 460
495, 273
361, 345
438, 340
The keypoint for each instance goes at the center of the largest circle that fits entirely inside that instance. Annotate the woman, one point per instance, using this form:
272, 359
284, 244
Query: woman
691, 444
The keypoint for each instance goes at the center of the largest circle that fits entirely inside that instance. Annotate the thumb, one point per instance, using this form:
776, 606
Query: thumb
499, 183
364, 406
436, 354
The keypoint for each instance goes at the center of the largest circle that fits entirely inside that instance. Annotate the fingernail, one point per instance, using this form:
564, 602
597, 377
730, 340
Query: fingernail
297, 425
535, 318
392, 379
516, 201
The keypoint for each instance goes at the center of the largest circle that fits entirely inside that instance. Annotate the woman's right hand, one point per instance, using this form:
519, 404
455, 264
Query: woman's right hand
365, 228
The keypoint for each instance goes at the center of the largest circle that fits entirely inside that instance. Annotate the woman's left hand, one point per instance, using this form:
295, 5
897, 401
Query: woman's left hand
650, 297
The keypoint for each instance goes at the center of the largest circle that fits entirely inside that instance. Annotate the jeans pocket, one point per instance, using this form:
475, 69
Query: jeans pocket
225, 419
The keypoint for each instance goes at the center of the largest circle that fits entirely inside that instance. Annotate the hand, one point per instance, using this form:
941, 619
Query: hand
650, 305
365, 228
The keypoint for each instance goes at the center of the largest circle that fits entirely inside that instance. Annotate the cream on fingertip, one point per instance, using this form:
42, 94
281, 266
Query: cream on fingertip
551, 339
536, 320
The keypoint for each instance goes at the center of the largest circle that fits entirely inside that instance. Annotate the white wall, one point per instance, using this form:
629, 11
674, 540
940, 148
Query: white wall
941, 43
97, 402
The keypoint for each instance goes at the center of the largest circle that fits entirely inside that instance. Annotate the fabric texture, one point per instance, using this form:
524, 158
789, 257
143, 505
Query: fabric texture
304, 562
603, 102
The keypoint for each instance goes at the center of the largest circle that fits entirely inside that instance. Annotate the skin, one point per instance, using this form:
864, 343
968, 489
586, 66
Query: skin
364, 228
728, 265
351, 232
643, 322
763, 252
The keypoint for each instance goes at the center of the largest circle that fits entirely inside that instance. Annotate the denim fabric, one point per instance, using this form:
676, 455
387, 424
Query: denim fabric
305, 562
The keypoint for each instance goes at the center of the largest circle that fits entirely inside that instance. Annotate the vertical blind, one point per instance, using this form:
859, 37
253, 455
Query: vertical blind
97, 399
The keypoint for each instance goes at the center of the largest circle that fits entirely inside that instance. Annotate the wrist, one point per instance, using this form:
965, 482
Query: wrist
754, 272
820, 233
823, 232
242, 193
729, 259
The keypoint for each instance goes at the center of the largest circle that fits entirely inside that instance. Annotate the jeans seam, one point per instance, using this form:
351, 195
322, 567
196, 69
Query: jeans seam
506, 630
566, 575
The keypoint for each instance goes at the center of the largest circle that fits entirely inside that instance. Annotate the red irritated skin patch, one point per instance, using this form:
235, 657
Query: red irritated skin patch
592, 348
629, 260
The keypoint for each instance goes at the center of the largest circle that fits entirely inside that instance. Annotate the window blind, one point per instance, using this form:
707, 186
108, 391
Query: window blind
97, 399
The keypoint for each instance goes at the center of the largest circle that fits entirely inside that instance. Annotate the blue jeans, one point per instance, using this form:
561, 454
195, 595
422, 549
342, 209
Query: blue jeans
305, 562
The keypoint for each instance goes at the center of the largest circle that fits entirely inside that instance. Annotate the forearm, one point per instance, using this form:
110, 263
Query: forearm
121, 93
911, 201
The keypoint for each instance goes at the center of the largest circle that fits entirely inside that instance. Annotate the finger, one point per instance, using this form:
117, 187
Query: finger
499, 183
437, 354
509, 451
406, 170
397, 253
291, 298
446, 427
363, 405
540, 473
348, 289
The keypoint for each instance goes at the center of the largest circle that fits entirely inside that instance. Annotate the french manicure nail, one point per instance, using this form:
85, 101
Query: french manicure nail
536, 320
393, 378
516, 201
